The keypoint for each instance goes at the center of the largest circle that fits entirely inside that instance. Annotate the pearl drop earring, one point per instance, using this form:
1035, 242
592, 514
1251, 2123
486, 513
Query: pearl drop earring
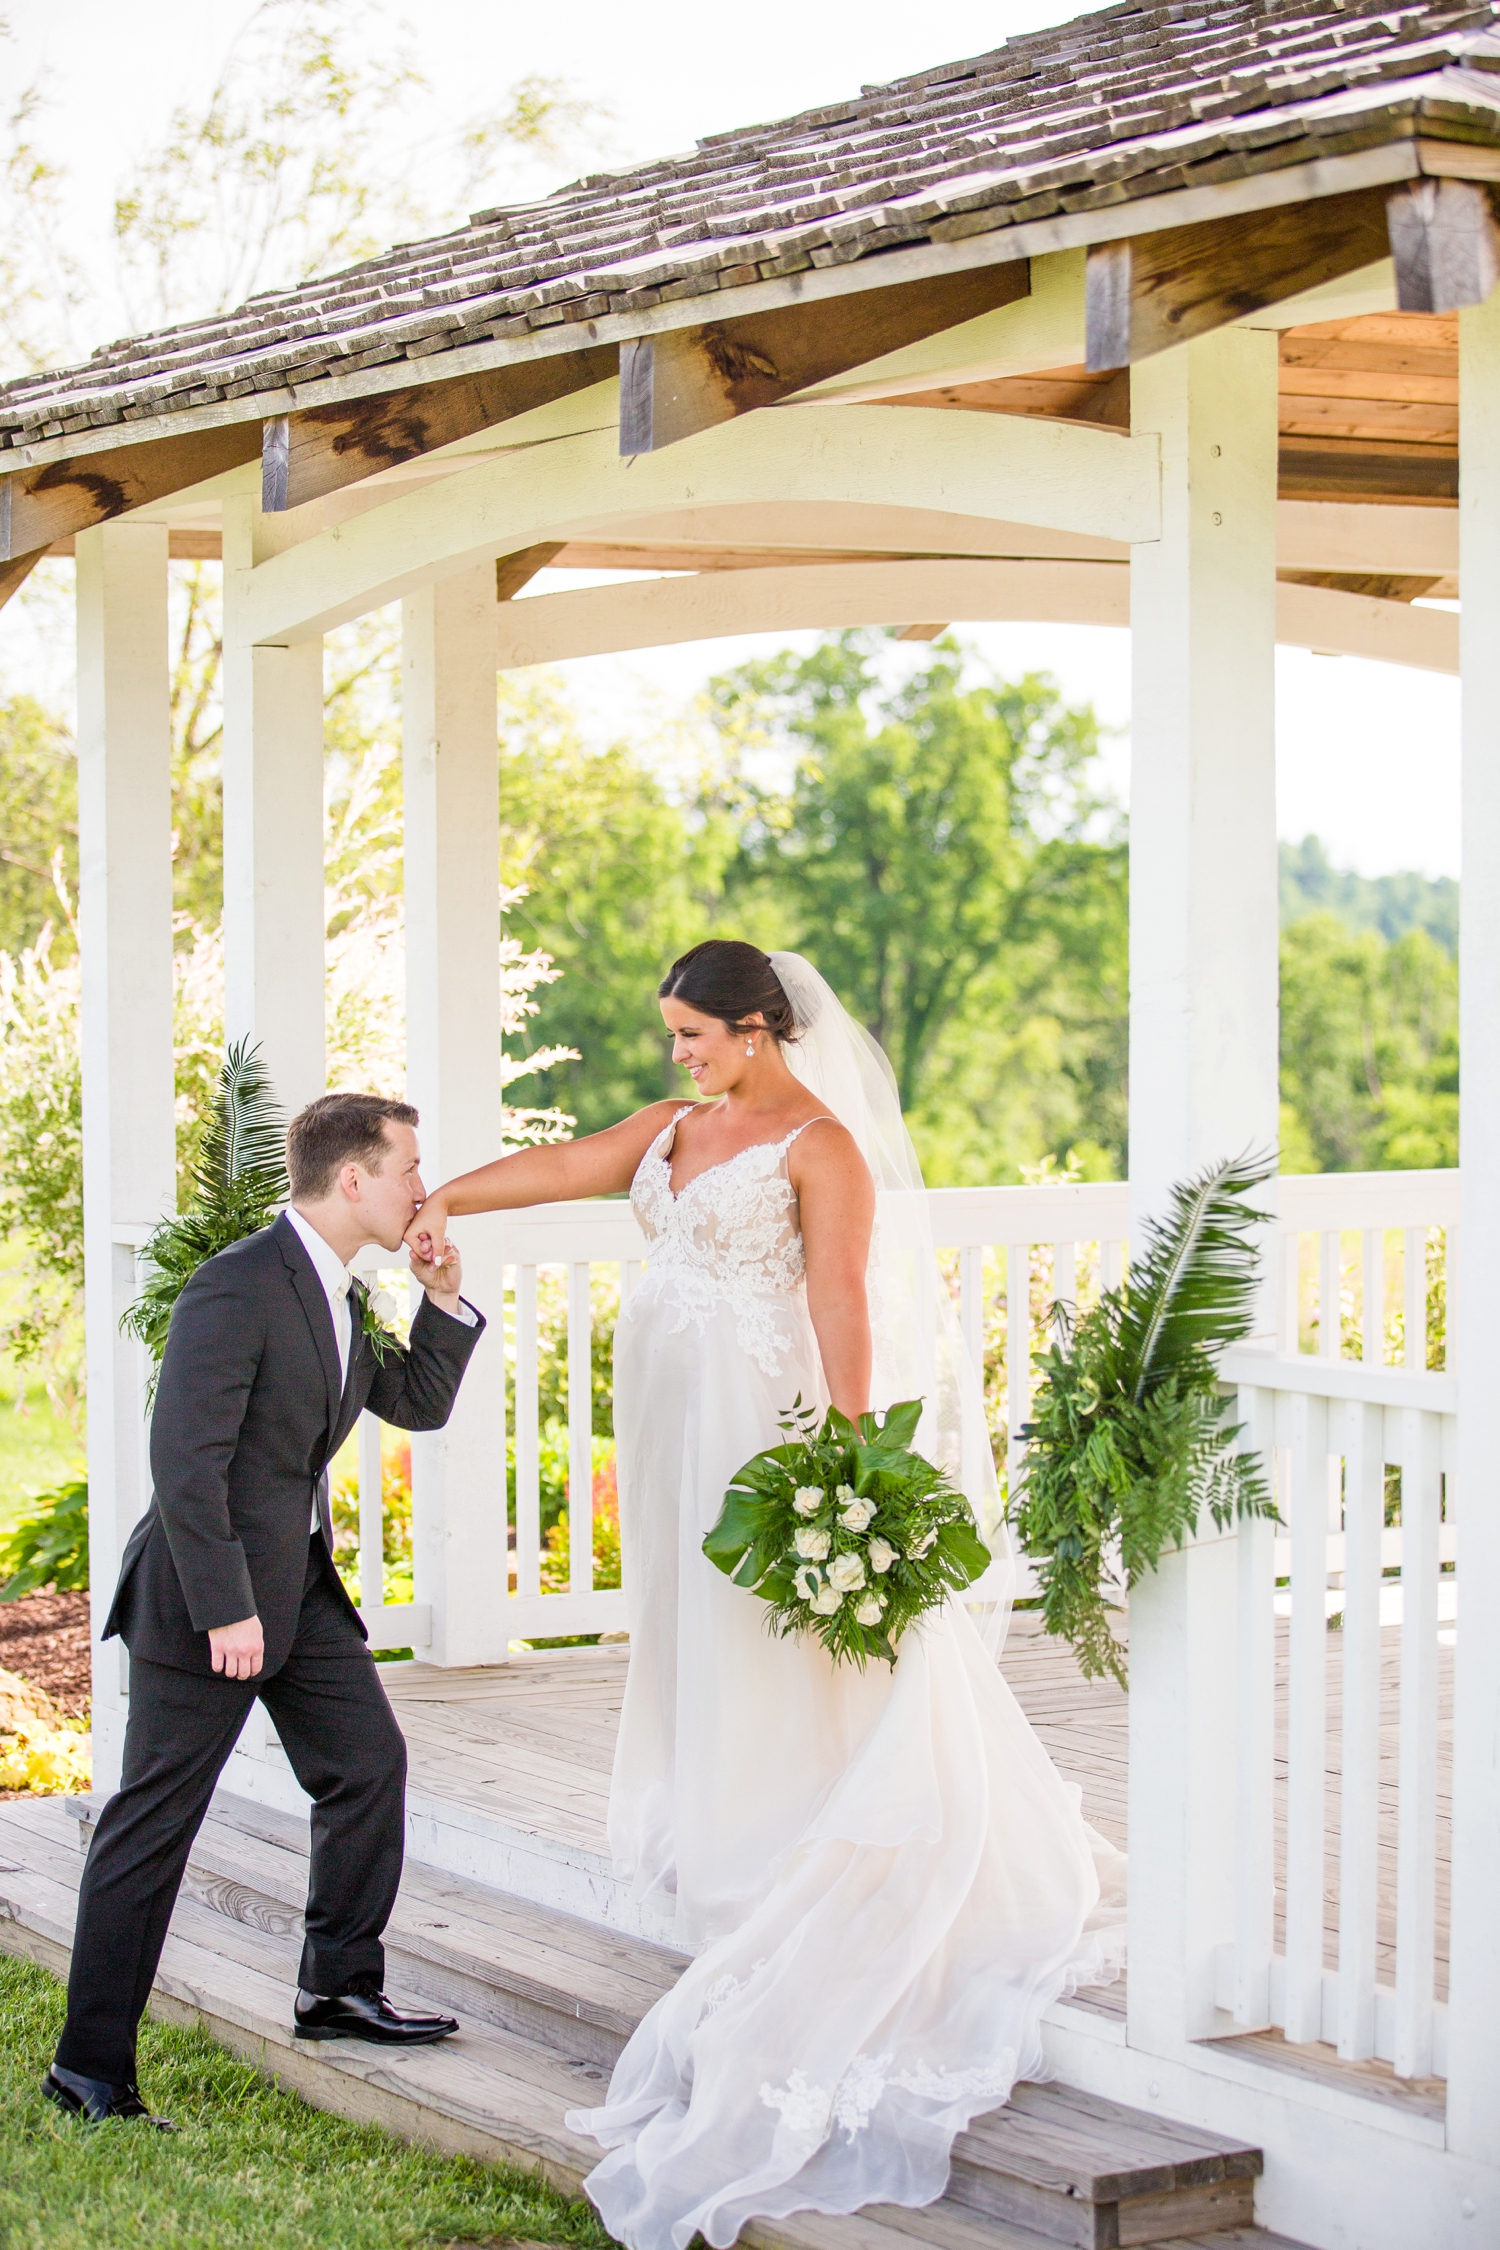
749, 1046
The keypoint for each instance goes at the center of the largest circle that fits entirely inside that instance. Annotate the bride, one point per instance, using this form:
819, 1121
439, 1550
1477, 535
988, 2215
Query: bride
883, 1878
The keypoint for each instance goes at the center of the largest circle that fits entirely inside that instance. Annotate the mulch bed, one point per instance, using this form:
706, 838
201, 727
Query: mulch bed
45, 1638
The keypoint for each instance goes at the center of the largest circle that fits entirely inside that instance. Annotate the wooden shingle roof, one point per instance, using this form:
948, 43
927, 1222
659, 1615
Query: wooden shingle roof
1124, 103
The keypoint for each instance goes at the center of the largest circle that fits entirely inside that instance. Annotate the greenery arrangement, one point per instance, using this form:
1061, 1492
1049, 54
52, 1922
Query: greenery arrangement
49, 1544
1128, 1442
239, 1177
846, 1532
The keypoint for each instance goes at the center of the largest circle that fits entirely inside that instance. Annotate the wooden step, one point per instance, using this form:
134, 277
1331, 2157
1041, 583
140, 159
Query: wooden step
545, 2001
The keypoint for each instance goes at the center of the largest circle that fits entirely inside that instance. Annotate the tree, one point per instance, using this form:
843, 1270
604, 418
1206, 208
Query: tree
1369, 1050
623, 881
38, 821
938, 853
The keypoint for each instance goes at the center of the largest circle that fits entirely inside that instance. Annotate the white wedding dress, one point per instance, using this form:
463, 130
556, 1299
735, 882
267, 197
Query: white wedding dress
884, 1878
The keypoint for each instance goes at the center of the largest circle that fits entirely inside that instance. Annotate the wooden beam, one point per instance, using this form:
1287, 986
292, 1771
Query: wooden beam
512, 572
675, 384
1061, 394
38, 506
1151, 291
1445, 245
14, 574
324, 448
1425, 475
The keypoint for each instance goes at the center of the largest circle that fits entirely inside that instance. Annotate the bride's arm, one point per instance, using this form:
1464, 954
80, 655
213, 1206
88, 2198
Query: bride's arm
837, 1197
600, 1164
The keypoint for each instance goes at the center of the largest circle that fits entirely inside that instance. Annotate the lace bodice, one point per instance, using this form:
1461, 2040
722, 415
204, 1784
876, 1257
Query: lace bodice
733, 1234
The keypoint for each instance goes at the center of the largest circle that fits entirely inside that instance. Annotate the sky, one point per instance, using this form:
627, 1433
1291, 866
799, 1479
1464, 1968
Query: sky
1367, 754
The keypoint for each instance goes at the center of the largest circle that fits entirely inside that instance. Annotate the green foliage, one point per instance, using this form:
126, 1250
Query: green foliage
1128, 1442
1369, 1050
853, 1495
38, 822
239, 1177
48, 1543
1388, 904
250, 2166
944, 854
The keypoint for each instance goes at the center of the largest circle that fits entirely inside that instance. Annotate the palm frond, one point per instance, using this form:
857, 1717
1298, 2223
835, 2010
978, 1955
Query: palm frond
239, 1178
1193, 1287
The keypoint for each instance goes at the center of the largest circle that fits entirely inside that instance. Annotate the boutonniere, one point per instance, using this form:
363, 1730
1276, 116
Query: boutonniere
375, 1319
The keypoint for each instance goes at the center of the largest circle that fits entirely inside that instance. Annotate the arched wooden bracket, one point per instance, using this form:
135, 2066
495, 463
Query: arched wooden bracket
1151, 291
1445, 244
688, 379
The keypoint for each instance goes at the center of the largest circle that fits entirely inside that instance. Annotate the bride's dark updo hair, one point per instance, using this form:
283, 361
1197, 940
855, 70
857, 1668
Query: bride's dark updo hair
733, 981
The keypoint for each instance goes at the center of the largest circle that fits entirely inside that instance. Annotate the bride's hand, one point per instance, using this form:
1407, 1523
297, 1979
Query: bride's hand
427, 1236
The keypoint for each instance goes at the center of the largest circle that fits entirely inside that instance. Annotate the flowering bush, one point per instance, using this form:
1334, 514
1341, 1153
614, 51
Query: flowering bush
41, 1750
847, 1532
557, 1552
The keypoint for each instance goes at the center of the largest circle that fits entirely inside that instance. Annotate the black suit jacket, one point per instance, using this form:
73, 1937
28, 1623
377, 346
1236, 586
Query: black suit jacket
249, 1412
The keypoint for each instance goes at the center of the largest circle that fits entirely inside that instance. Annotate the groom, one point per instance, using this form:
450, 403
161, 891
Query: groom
227, 1592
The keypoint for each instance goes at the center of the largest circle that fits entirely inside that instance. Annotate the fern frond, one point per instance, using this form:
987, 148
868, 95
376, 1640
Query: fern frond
240, 1178
1192, 1289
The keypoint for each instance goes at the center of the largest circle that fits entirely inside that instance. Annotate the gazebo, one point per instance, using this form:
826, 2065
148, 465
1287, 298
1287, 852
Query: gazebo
1178, 318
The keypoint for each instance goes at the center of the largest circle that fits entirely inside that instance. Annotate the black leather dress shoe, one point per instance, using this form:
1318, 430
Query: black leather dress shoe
366, 2015
96, 2099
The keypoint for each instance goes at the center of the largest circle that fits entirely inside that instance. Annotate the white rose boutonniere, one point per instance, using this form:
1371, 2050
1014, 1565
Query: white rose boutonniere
847, 1572
807, 1499
858, 1516
882, 1555
376, 1314
811, 1545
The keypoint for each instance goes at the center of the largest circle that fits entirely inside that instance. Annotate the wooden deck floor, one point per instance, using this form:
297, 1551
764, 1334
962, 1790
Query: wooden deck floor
531, 1742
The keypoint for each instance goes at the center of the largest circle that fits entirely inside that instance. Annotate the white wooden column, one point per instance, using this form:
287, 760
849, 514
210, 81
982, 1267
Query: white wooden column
1474, 1496
125, 908
1203, 1069
451, 761
273, 831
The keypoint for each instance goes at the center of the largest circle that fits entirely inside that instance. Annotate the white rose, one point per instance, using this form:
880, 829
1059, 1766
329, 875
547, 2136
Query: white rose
857, 1516
882, 1555
827, 1600
870, 1610
811, 1545
844, 1493
806, 1583
920, 1547
847, 1572
807, 1499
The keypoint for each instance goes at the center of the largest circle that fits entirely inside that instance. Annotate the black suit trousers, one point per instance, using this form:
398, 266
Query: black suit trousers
346, 1750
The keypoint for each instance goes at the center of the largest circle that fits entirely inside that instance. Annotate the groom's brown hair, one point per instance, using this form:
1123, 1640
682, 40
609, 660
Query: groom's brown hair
335, 1130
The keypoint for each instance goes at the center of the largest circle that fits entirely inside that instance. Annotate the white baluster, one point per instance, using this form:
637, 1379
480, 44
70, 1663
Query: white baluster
1364, 1517
528, 1484
580, 1433
1017, 1349
1416, 1820
1306, 1720
371, 1516
971, 1322
1330, 1322
1255, 1862
1372, 1295
1415, 1279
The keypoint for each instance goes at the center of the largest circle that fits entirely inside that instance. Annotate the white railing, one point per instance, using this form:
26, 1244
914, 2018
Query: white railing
1328, 1432
1354, 1264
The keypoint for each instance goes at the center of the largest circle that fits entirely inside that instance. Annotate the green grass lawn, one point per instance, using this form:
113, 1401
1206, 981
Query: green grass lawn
37, 1448
251, 2169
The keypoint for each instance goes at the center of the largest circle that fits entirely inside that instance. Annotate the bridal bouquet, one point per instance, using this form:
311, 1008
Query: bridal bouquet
847, 1532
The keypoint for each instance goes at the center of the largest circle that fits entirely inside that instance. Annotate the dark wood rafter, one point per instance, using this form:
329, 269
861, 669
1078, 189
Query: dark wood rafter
512, 572
306, 455
15, 572
1155, 290
1445, 244
675, 384
1061, 394
38, 506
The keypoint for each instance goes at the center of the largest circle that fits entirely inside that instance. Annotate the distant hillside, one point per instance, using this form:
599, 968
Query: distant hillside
1391, 904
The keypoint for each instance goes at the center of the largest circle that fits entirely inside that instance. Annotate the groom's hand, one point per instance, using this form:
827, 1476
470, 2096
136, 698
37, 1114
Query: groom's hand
237, 1650
441, 1277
